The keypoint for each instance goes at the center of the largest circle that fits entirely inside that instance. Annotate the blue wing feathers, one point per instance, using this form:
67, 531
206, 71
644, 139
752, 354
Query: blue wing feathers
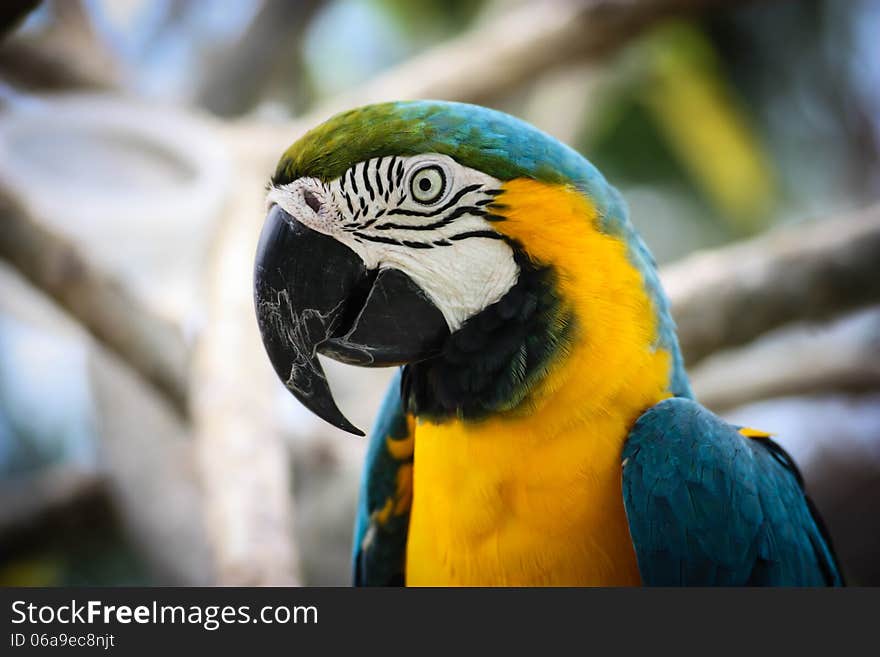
380, 546
708, 506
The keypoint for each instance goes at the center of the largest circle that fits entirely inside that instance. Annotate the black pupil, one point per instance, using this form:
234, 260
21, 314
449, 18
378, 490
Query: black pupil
424, 184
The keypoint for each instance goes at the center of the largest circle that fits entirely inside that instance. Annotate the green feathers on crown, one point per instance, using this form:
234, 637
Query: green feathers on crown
490, 141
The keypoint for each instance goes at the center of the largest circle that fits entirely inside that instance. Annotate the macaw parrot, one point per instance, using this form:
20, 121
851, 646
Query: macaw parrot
540, 428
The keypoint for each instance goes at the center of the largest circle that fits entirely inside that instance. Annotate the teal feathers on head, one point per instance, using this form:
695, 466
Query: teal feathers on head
477, 137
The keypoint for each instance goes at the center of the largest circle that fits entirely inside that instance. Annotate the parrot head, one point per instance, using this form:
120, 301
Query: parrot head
458, 241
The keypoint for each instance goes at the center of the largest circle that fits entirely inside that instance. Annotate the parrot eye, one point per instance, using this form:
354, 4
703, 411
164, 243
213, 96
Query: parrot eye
428, 184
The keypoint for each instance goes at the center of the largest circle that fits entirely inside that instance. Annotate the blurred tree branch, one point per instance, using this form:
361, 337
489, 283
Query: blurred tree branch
30, 500
800, 359
501, 53
69, 55
244, 461
153, 345
731, 295
13, 13
236, 77
144, 478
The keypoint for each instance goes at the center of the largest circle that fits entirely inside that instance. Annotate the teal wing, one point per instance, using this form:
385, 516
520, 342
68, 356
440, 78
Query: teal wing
708, 506
385, 497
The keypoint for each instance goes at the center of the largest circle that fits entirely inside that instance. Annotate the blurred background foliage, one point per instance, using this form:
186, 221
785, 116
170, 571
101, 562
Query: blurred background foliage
716, 127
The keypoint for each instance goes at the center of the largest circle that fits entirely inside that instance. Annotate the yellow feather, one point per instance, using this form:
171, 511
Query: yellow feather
533, 497
749, 432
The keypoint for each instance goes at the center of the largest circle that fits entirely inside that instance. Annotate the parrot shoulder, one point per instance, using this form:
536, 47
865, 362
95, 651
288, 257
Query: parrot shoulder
385, 497
709, 503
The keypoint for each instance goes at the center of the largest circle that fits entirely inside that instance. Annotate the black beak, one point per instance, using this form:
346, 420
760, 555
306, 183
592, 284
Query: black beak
314, 294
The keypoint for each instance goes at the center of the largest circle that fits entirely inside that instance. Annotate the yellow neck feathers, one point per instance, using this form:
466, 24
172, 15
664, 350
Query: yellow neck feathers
612, 366
533, 496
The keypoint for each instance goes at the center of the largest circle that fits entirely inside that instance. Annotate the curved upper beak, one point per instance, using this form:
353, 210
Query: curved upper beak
314, 294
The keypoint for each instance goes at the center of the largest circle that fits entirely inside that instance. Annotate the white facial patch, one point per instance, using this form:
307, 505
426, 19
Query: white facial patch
425, 215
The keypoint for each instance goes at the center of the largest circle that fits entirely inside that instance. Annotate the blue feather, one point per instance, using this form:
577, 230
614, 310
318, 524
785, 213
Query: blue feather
379, 548
708, 506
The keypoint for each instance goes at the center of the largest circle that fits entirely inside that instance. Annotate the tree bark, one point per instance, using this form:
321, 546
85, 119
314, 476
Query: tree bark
153, 345
244, 463
800, 359
729, 296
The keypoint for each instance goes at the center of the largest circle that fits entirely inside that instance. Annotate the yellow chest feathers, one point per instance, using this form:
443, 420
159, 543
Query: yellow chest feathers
533, 496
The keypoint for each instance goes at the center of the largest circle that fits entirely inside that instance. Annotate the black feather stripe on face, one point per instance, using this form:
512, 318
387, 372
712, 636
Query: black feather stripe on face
385, 175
